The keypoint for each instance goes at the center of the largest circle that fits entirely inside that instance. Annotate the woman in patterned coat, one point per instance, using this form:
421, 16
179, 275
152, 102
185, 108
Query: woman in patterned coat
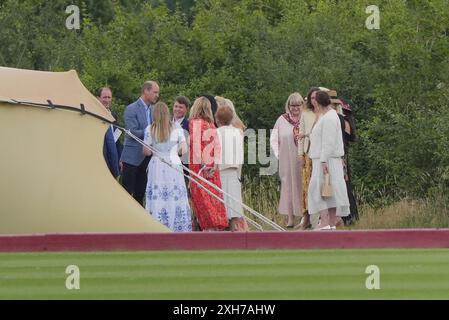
204, 158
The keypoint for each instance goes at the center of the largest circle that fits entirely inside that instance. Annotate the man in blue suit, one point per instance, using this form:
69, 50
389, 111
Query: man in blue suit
111, 149
110, 153
105, 97
138, 116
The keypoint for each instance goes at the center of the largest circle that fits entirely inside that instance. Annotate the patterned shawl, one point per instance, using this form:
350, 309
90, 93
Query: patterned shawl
295, 125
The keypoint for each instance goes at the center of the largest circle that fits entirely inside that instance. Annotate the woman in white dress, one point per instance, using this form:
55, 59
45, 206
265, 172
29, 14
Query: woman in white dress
326, 152
231, 141
166, 193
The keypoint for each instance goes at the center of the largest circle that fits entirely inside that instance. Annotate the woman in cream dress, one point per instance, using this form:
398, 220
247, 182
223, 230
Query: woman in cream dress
326, 152
284, 142
231, 142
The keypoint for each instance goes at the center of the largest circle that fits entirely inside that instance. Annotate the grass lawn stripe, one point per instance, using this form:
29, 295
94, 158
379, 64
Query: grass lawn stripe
405, 274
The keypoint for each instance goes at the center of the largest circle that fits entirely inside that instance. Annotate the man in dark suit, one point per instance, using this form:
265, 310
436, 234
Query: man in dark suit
180, 116
110, 153
138, 116
105, 97
111, 148
180, 109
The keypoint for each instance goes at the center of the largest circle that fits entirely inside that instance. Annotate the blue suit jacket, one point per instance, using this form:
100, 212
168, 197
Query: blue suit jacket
185, 124
135, 121
110, 153
185, 127
118, 144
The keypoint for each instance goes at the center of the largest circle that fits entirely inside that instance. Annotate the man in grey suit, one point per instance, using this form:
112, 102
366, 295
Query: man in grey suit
138, 116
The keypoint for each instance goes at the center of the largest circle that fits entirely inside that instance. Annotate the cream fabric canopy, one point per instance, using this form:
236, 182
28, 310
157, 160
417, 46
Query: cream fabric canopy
61, 88
53, 177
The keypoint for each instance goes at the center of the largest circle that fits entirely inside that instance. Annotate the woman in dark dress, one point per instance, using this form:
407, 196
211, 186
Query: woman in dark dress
348, 131
349, 135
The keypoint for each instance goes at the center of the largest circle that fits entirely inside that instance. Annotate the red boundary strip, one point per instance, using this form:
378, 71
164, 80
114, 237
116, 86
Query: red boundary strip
372, 239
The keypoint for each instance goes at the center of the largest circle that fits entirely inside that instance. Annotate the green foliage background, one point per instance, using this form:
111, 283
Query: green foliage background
256, 52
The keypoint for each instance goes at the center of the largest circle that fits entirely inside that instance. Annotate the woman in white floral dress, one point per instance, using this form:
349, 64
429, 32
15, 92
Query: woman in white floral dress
166, 193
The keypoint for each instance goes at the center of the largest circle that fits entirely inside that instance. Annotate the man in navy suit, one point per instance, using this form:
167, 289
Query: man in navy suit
138, 116
110, 153
105, 97
180, 109
110, 148
180, 116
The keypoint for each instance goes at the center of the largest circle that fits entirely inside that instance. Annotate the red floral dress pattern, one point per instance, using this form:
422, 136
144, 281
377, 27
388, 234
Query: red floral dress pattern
204, 150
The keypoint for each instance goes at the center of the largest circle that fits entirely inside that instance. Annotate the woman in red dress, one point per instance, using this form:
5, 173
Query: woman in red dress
204, 155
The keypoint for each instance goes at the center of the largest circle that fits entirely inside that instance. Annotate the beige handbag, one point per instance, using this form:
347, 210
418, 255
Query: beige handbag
326, 189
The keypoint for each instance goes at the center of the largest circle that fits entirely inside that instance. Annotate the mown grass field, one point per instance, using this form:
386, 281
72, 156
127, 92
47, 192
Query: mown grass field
321, 274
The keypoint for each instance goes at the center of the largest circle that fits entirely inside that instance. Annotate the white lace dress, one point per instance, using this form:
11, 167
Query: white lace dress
166, 192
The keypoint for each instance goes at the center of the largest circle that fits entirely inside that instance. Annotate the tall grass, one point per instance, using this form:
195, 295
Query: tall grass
432, 211
262, 193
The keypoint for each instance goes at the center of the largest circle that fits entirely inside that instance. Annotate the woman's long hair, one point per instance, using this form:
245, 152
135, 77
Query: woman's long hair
309, 104
236, 121
202, 109
162, 126
350, 118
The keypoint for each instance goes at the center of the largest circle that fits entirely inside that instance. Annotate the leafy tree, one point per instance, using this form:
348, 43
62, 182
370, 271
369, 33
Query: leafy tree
257, 53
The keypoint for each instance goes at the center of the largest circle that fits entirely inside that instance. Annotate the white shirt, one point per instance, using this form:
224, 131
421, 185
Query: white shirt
178, 121
232, 152
169, 148
326, 139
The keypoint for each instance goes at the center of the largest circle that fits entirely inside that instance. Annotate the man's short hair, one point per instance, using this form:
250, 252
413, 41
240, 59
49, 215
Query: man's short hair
101, 90
147, 85
183, 100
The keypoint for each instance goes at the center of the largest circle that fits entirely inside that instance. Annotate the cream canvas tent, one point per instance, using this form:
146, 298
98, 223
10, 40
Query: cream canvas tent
53, 177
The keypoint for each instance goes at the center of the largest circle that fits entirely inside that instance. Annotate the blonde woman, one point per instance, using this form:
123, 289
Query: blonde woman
204, 157
284, 141
236, 122
166, 192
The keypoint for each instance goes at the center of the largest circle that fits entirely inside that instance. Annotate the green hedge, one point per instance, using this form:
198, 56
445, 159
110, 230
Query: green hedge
257, 53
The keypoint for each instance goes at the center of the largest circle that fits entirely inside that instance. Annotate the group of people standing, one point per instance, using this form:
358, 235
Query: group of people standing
311, 140
186, 159
191, 155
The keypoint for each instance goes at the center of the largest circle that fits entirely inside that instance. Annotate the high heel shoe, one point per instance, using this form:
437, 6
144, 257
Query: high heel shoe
303, 226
